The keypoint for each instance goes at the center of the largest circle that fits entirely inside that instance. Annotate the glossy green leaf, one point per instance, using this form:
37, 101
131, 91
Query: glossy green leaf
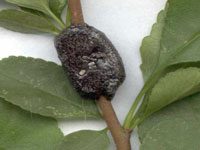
42, 87
40, 5
57, 6
21, 130
174, 128
86, 140
25, 22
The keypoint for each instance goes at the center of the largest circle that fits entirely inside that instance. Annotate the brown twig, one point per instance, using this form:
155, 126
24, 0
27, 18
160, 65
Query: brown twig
76, 12
121, 137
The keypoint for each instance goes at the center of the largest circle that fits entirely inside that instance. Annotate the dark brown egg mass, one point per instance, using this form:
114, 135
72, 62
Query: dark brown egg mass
91, 61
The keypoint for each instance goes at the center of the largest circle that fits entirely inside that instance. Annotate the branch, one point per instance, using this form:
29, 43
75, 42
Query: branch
121, 137
76, 12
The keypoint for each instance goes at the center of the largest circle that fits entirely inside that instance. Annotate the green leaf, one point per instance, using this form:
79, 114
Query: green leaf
57, 6
86, 140
173, 87
40, 5
175, 39
42, 87
181, 34
35, 12
151, 46
21, 130
25, 22
174, 128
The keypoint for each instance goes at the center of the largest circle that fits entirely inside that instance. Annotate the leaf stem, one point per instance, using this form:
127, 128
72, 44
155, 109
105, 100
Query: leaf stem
56, 33
137, 121
60, 22
68, 18
128, 120
149, 83
120, 136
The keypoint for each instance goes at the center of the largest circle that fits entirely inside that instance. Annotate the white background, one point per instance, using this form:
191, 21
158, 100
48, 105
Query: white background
125, 22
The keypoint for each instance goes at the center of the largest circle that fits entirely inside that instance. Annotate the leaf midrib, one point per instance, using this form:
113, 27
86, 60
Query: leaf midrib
180, 50
160, 68
41, 7
53, 29
187, 91
189, 42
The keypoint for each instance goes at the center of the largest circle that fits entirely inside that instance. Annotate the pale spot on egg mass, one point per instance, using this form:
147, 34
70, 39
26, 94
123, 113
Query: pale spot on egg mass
82, 72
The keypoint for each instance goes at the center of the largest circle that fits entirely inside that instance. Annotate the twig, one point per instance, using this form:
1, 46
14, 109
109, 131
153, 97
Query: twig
76, 12
121, 137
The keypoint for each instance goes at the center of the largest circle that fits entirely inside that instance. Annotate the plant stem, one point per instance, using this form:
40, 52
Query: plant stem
121, 137
76, 12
